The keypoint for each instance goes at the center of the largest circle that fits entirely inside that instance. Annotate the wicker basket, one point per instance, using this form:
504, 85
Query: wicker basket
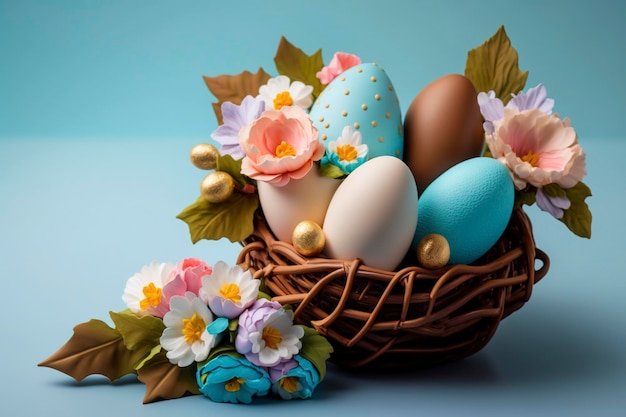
413, 316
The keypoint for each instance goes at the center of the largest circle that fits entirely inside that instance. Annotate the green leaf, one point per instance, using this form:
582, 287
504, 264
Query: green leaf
494, 66
578, 217
166, 381
298, 66
234, 88
316, 349
94, 348
526, 196
141, 334
331, 171
231, 166
233, 219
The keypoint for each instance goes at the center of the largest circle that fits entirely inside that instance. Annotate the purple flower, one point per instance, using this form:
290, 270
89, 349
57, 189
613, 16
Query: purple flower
553, 205
266, 335
235, 117
492, 107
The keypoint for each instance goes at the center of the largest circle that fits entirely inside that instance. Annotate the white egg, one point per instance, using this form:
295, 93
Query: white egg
373, 214
304, 199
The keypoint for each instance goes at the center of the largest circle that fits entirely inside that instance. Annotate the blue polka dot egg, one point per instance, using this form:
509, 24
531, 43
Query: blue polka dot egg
363, 98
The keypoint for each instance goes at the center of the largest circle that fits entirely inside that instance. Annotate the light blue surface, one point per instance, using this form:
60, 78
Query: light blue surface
100, 103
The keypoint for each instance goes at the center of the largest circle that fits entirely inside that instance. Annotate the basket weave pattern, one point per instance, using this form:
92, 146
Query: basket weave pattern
411, 317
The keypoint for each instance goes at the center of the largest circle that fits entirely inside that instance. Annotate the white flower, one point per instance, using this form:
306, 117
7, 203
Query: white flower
277, 339
279, 92
185, 337
229, 291
348, 151
144, 289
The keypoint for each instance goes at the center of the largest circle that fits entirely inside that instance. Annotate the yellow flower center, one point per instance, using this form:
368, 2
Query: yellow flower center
193, 328
234, 384
282, 99
271, 337
230, 292
289, 384
153, 296
532, 158
285, 149
346, 152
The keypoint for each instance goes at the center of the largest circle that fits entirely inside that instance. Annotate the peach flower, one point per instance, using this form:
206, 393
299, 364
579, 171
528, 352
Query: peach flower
341, 61
538, 149
279, 145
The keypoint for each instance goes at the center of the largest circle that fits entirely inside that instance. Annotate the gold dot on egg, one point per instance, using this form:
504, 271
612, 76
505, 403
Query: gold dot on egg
359, 70
377, 97
344, 113
381, 139
321, 118
374, 123
326, 105
308, 238
356, 125
324, 137
217, 187
398, 153
204, 156
390, 87
373, 78
374, 64
364, 106
326, 125
387, 115
433, 251
343, 78
347, 92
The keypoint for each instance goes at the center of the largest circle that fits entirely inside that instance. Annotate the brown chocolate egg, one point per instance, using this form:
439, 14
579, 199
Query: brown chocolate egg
442, 127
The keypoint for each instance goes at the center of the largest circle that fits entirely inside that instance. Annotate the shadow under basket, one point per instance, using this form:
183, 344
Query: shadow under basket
409, 317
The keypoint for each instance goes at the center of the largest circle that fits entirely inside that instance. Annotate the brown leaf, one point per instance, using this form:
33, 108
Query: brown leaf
494, 66
234, 88
166, 381
94, 348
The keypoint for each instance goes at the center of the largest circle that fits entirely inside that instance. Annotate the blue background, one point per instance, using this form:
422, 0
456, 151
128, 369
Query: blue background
100, 102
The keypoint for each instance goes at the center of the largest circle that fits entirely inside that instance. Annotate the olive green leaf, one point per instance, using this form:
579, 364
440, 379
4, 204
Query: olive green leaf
234, 88
526, 196
166, 381
578, 217
494, 66
316, 349
94, 348
232, 219
298, 66
141, 334
331, 171
232, 166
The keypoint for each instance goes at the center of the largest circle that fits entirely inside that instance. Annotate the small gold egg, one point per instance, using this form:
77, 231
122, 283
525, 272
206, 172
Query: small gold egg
433, 251
204, 156
217, 187
308, 238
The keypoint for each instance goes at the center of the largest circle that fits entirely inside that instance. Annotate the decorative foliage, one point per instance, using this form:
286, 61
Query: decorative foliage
494, 66
298, 66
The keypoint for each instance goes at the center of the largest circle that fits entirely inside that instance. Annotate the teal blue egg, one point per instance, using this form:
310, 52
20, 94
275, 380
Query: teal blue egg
470, 204
364, 98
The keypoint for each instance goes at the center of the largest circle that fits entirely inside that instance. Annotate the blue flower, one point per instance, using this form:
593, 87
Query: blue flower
294, 379
233, 379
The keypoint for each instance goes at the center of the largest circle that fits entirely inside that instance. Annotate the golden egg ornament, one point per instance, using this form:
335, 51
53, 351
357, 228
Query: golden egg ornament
204, 156
433, 251
217, 187
308, 238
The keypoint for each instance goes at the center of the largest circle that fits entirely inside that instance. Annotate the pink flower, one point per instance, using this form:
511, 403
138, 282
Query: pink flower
185, 277
280, 145
341, 61
537, 148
